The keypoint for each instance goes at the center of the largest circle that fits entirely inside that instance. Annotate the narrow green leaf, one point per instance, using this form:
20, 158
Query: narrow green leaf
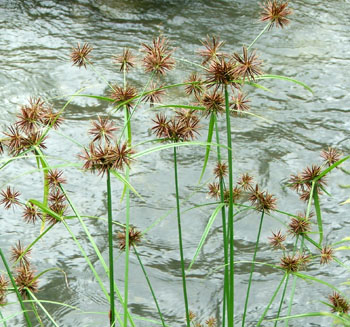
318, 215
285, 79
45, 209
94, 97
181, 106
207, 150
327, 170
205, 233
126, 183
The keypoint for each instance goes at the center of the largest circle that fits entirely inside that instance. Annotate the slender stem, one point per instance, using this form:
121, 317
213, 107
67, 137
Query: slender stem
252, 268
180, 241
261, 33
293, 288
282, 299
26, 317
285, 285
110, 248
127, 252
271, 300
149, 285
230, 213
224, 231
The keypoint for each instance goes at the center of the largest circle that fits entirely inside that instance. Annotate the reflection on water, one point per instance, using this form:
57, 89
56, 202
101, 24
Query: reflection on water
36, 39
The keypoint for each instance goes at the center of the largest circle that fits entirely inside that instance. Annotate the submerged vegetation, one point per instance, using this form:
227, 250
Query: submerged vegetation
214, 93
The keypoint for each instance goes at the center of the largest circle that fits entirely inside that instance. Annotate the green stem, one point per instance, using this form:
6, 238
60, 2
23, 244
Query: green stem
230, 213
261, 33
149, 285
127, 252
252, 268
110, 250
26, 317
224, 231
293, 288
180, 241
285, 285
271, 300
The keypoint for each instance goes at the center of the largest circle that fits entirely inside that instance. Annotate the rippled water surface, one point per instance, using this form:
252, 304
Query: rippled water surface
35, 41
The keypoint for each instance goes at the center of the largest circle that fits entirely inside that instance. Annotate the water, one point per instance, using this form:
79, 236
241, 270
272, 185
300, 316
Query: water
36, 38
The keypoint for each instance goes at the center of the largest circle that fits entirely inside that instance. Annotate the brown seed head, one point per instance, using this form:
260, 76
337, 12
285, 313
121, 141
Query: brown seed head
211, 45
196, 86
262, 200
3, 289
221, 170
31, 115
327, 255
80, 56
221, 72
339, 303
31, 214
211, 322
247, 66
240, 103
161, 127
275, 12
158, 56
213, 102
295, 262
126, 60
192, 315
124, 95
155, 95
26, 280
15, 140
245, 182
53, 119
55, 178
9, 198
17, 253
277, 239
214, 190
331, 156
102, 129
300, 225
134, 238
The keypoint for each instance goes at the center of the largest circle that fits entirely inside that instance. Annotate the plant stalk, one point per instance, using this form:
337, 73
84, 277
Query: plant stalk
230, 214
180, 241
252, 268
110, 249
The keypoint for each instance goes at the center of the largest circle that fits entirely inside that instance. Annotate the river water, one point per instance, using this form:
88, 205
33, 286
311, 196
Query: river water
35, 42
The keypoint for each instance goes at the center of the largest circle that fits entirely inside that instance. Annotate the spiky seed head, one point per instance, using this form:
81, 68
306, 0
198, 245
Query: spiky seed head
80, 55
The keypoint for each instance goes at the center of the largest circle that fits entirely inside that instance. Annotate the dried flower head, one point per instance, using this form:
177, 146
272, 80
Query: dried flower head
101, 159
3, 289
155, 95
247, 66
134, 238
50, 118
214, 190
277, 239
158, 56
102, 129
80, 56
240, 103
212, 45
213, 102
331, 156
211, 322
34, 139
192, 315
275, 12
55, 178
15, 140
9, 198
245, 182
221, 170
195, 86
124, 95
126, 60
295, 262
262, 199
18, 252
26, 280
327, 255
31, 115
339, 303
161, 126
221, 72
31, 214
299, 225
